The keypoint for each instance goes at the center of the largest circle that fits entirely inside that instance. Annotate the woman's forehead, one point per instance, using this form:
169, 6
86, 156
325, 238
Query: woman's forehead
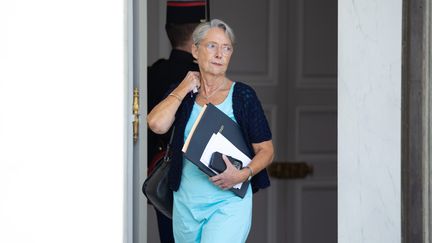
217, 35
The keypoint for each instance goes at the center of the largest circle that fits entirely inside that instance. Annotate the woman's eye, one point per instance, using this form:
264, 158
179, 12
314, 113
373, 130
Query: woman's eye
227, 48
211, 46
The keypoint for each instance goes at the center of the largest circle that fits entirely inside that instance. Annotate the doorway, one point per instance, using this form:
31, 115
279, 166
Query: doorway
287, 51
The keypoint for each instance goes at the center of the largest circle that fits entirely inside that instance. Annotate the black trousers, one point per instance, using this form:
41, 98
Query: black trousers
165, 228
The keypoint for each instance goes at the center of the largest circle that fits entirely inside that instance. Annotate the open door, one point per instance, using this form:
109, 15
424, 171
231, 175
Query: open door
287, 50
137, 91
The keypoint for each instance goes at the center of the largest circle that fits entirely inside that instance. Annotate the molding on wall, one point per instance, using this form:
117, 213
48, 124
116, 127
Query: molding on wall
270, 76
318, 109
311, 81
325, 185
271, 112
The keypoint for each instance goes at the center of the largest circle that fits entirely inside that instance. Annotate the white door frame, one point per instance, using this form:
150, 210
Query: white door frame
128, 210
136, 155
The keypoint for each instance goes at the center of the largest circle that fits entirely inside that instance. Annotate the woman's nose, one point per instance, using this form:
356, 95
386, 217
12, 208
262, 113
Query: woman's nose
218, 52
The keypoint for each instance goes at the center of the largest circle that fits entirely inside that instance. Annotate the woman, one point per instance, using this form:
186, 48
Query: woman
204, 210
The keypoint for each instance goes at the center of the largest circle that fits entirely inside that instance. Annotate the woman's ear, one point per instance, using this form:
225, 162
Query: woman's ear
195, 51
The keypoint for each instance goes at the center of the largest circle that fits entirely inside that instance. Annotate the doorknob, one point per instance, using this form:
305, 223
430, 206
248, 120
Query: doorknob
135, 112
290, 169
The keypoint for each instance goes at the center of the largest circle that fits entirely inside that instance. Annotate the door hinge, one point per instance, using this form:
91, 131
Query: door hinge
135, 112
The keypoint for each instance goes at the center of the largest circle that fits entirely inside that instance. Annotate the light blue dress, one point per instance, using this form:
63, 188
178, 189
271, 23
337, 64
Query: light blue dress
203, 212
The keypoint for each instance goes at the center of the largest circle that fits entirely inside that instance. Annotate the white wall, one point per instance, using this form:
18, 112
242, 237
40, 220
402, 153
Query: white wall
369, 121
62, 78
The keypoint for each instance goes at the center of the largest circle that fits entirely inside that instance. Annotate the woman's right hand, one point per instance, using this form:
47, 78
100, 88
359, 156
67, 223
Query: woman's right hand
190, 83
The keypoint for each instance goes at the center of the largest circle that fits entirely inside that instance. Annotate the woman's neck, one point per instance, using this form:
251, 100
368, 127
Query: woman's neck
211, 85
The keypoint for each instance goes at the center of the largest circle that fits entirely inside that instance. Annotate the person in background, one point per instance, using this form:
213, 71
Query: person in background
181, 19
204, 209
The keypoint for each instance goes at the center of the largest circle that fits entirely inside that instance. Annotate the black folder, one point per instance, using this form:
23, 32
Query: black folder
210, 121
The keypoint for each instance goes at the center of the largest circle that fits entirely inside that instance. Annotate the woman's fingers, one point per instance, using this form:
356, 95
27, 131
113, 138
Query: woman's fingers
192, 80
220, 183
227, 179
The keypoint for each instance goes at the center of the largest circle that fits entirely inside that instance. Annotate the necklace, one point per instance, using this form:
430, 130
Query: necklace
207, 97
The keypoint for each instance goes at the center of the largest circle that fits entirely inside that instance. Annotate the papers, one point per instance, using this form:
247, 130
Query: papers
220, 143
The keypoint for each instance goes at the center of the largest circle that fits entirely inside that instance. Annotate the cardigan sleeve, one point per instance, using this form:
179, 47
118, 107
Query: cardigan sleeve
251, 118
255, 120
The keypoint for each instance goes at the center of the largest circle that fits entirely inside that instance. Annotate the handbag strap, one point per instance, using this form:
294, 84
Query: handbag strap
168, 148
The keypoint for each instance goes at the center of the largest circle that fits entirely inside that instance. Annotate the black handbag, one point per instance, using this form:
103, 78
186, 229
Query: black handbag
156, 187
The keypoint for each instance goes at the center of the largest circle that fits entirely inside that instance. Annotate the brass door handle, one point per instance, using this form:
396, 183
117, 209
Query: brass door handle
290, 169
135, 112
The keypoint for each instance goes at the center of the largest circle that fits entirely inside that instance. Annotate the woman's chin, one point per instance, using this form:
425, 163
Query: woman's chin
217, 71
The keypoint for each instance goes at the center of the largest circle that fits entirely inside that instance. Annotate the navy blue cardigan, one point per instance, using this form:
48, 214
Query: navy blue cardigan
249, 115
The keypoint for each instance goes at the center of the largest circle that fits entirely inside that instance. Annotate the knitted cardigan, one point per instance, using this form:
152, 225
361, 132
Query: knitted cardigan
249, 115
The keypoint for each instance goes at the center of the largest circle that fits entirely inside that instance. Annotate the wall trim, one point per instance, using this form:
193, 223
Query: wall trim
416, 122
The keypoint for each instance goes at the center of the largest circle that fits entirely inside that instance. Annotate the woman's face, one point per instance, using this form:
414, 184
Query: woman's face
214, 52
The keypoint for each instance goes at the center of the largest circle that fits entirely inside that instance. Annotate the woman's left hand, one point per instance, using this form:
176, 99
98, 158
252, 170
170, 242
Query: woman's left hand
230, 177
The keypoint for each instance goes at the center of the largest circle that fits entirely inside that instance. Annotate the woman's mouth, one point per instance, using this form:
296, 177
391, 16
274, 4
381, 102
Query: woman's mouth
217, 63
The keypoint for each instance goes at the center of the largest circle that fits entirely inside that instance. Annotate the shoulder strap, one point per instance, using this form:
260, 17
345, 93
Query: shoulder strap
166, 157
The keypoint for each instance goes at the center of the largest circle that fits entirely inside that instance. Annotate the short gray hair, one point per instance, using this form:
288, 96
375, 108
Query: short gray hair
202, 29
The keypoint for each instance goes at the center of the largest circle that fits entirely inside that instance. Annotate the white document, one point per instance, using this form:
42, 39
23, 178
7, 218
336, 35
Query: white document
219, 143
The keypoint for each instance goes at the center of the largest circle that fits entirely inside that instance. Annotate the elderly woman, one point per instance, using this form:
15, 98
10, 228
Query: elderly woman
204, 210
